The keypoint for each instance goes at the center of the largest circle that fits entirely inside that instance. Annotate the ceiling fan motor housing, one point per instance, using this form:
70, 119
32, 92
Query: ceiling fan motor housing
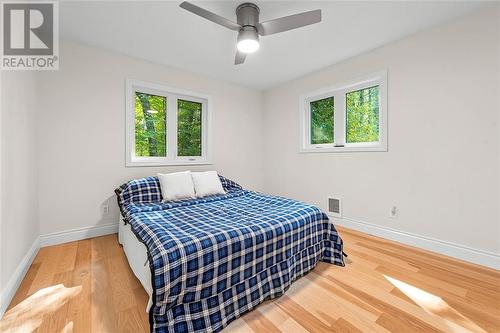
247, 14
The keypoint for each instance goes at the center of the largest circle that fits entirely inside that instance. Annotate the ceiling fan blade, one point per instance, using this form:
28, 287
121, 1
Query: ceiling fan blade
289, 22
239, 58
210, 16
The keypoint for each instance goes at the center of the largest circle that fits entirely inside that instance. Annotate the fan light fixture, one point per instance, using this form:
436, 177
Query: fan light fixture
248, 40
249, 27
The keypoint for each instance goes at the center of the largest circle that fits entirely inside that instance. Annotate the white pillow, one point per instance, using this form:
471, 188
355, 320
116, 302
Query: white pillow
207, 183
176, 186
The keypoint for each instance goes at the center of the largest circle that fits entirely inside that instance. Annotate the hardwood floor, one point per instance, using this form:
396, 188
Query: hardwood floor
87, 286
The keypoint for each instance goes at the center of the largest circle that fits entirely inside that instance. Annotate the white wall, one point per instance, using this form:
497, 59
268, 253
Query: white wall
18, 197
82, 133
442, 167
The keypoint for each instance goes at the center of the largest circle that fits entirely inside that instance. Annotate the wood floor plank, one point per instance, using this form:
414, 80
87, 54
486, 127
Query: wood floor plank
342, 325
279, 318
129, 321
382, 258
386, 302
314, 304
57, 320
395, 323
87, 286
104, 317
341, 294
403, 296
423, 258
487, 321
45, 274
67, 257
436, 286
80, 308
308, 320
260, 323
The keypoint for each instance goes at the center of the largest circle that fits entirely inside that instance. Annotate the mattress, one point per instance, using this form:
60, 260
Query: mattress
137, 257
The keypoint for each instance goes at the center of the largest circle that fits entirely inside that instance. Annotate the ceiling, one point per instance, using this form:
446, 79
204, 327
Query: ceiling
161, 32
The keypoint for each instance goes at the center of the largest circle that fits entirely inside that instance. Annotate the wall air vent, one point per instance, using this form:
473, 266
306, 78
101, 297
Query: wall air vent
335, 206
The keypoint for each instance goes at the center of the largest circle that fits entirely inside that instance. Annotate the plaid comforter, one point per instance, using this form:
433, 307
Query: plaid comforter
215, 258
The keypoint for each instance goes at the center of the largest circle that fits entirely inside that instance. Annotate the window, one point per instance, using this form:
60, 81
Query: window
322, 121
189, 128
165, 126
350, 117
362, 115
150, 125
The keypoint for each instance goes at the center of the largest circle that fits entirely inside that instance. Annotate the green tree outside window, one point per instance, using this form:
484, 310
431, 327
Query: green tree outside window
188, 128
150, 125
362, 115
322, 121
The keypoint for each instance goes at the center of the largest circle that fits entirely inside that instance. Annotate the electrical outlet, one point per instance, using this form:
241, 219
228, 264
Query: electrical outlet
393, 212
105, 209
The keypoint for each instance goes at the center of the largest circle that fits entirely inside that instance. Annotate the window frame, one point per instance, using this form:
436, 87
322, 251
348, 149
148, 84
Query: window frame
339, 92
171, 95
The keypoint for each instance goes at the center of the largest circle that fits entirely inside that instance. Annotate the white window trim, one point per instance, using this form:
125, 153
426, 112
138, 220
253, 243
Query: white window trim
172, 94
338, 92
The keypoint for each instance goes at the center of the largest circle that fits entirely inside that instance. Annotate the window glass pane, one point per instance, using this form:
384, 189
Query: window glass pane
322, 121
362, 118
150, 125
188, 128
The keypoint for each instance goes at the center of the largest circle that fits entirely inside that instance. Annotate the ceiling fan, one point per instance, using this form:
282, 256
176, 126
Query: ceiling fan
249, 28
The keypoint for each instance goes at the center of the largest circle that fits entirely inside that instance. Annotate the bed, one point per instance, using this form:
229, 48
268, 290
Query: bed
205, 262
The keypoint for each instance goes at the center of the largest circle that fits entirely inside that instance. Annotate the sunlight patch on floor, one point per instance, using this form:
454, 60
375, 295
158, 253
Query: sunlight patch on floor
28, 315
435, 305
68, 328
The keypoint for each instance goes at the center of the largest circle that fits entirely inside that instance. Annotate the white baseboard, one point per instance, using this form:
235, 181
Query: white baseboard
454, 250
77, 234
17, 277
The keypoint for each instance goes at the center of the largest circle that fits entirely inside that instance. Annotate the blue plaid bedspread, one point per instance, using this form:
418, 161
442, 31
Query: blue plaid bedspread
215, 258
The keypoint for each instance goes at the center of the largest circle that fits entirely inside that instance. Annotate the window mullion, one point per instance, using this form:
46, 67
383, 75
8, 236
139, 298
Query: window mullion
339, 118
204, 130
172, 127
307, 120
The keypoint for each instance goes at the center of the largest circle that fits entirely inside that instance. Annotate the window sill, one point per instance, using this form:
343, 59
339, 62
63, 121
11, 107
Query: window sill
343, 149
166, 163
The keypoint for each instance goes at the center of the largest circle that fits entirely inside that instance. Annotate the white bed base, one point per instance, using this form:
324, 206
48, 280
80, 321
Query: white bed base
137, 257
